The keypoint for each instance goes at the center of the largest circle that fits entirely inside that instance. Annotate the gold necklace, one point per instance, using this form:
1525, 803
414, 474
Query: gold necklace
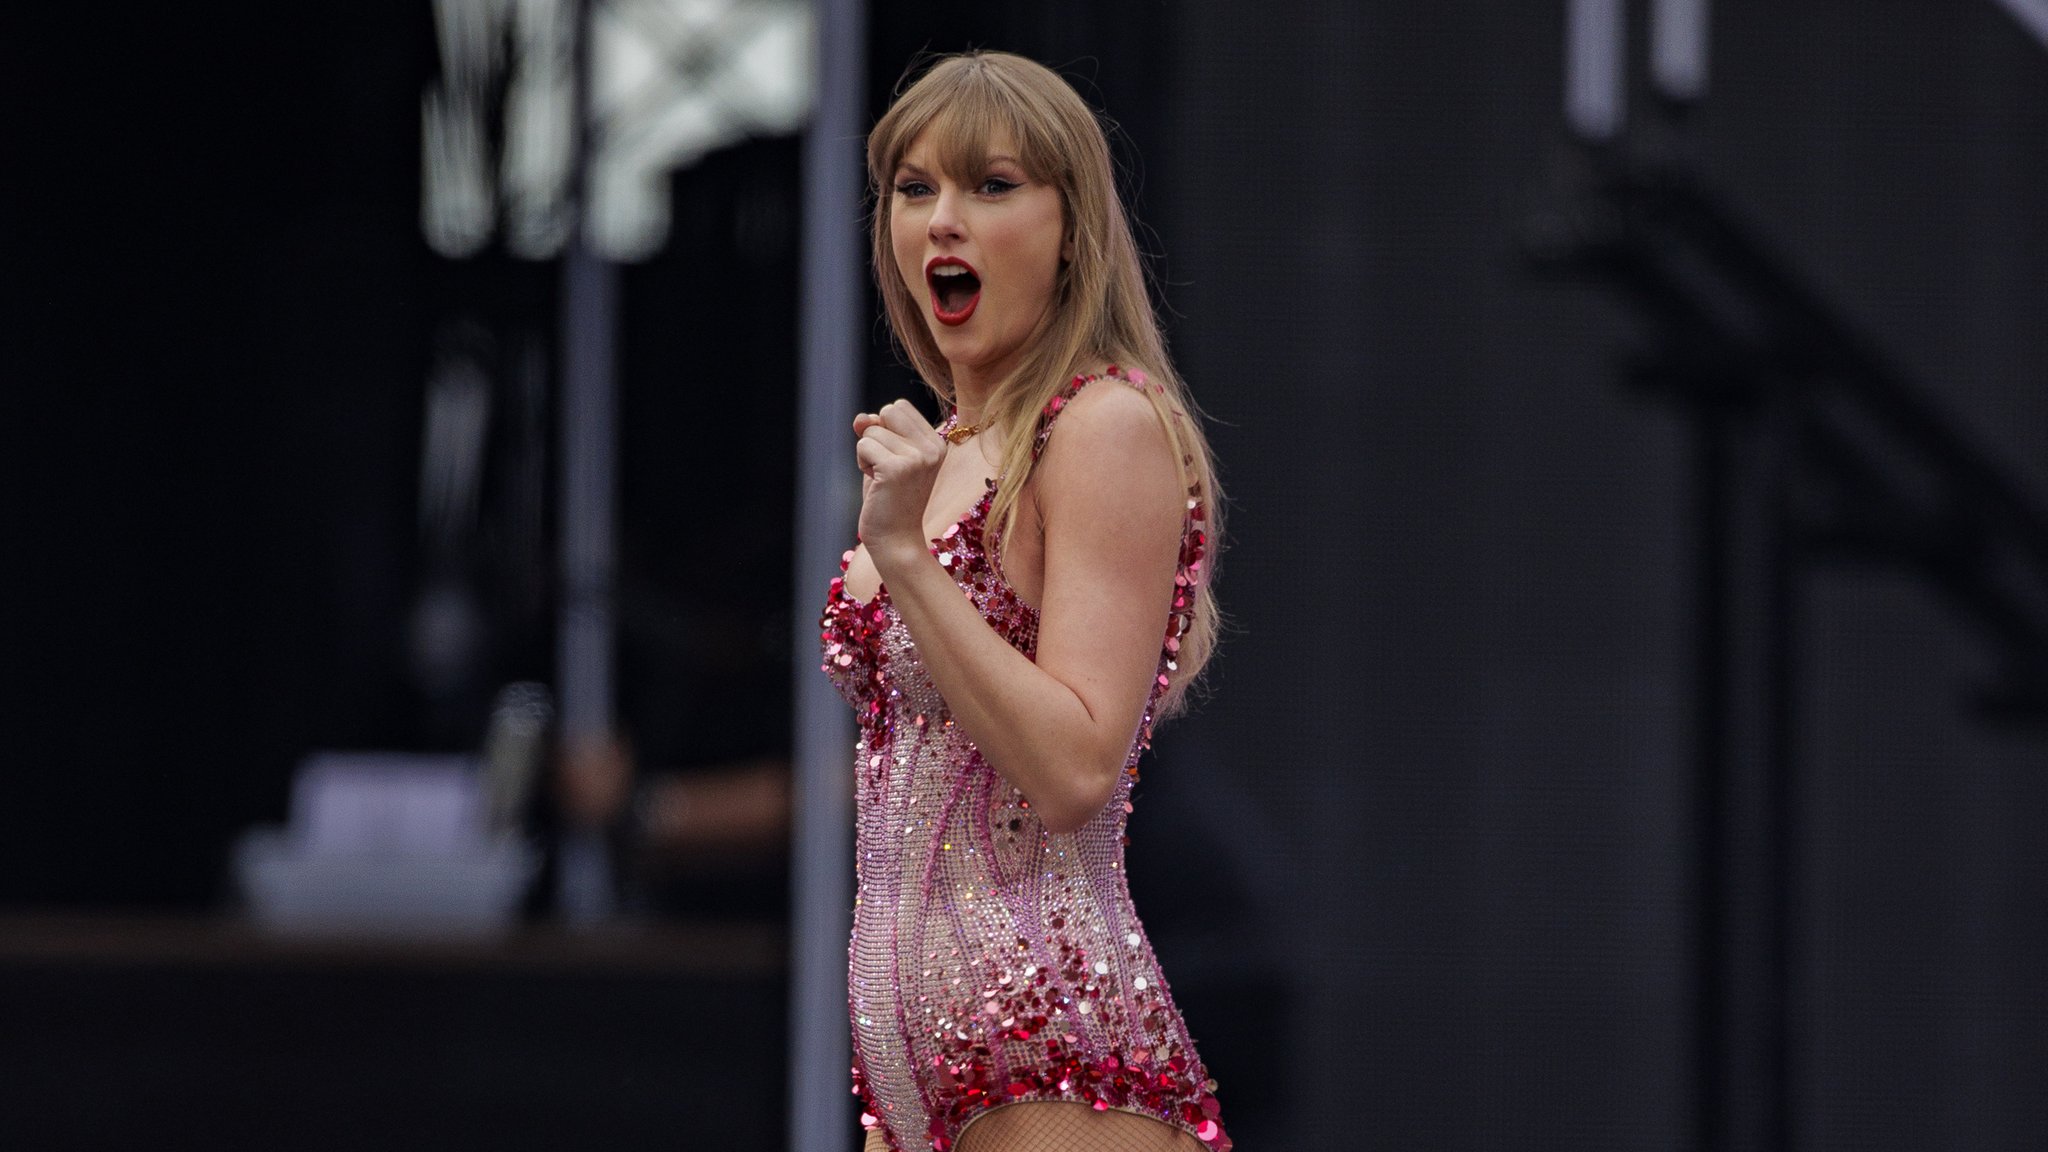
956, 434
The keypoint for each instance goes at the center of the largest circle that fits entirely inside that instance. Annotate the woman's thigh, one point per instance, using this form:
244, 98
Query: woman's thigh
1062, 1126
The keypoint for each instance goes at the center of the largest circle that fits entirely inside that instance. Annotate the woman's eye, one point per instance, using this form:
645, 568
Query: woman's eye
996, 185
913, 188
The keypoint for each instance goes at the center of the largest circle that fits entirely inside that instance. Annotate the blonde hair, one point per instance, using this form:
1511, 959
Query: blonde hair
1101, 311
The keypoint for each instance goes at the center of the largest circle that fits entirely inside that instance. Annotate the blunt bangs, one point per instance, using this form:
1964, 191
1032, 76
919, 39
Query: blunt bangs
963, 109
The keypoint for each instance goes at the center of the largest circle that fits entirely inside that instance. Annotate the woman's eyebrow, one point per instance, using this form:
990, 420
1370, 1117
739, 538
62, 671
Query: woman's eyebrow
906, 168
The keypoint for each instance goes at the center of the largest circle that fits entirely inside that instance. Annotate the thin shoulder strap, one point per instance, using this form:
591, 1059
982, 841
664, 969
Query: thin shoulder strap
1058, 403
1194, 534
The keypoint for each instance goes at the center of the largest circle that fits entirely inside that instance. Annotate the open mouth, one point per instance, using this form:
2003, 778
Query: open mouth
956, 289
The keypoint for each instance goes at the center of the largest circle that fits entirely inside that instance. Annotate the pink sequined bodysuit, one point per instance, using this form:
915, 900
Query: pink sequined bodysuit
993, 962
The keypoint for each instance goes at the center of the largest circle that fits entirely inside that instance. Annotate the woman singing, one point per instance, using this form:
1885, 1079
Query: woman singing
1029, 598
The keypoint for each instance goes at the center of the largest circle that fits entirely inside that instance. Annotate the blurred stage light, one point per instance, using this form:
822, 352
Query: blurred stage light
2032, 14
671, 80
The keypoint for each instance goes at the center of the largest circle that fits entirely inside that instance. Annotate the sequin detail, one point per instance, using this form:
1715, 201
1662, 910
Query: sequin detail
991, 961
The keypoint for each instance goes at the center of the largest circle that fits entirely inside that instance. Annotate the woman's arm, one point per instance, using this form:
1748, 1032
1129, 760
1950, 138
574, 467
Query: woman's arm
1110, 502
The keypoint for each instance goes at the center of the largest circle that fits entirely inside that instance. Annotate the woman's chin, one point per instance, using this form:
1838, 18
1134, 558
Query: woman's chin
957, 347
970, 353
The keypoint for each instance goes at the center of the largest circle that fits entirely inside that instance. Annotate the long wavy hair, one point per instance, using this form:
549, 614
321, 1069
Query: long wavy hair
1101, 312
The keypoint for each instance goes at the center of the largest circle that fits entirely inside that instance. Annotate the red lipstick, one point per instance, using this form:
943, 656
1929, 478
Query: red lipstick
954, 294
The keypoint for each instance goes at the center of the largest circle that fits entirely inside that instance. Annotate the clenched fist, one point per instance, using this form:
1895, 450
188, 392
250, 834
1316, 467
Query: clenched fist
899, 453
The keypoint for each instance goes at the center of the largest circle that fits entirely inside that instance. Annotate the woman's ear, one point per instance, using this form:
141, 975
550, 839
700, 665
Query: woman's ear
1067, 249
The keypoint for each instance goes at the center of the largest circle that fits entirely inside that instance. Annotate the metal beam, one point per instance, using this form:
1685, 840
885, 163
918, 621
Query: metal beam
589, 449
830, 362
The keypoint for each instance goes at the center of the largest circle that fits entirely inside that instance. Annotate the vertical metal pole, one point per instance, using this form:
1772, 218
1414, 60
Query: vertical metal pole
1746, 796
830, 365
1778, 667
1710, 740
1595, 67
589, 448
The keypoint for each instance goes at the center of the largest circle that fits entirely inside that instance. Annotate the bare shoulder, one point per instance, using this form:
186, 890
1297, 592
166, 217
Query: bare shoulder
1109, 437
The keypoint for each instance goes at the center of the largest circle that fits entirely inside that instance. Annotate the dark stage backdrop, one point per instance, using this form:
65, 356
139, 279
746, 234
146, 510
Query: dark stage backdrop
218, 329
1419, 866
1446, 761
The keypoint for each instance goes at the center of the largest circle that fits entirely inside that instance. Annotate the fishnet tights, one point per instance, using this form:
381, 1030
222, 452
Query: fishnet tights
1062, 1126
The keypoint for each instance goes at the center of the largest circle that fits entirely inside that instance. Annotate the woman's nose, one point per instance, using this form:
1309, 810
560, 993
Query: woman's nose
945, 221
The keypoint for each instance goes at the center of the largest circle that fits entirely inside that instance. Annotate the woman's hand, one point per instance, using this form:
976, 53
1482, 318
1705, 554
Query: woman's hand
1109, 510
899, 453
